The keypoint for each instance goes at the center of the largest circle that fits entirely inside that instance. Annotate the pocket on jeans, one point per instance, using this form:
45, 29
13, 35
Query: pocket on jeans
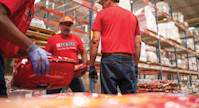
108, 68
130, 71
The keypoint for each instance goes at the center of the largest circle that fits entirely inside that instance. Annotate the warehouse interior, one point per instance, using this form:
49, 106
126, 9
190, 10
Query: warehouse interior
170, 42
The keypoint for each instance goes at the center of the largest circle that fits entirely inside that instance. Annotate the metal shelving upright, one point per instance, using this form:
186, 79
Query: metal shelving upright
90, 25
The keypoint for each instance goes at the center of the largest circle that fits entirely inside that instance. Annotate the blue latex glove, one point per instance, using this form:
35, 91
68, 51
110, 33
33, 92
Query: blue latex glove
39, 59
93, 74
136, 71
47, 53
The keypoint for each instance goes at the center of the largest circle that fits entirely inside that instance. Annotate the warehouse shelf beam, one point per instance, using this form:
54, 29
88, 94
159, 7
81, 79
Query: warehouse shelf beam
183, 50
86, 4
78, 11
71, 8
63, 5
90, 25
148, 35
165, 50
170, 18
146, 67
57, 25
57, 13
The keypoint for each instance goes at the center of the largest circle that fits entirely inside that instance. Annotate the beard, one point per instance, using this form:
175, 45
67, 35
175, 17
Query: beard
65, 32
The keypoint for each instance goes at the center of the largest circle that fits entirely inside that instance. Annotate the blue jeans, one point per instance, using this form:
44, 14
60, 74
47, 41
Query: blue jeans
2, 79
76, 86
117, 70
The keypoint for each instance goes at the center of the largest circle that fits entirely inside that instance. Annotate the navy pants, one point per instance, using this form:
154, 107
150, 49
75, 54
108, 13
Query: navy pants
76, 86
117, 70
2, 79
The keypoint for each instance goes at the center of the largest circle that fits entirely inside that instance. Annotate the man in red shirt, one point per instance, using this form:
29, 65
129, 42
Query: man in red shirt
15, 18
68, 45
121, 45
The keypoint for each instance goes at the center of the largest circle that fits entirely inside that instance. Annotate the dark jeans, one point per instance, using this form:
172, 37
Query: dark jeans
2, 79
117, 70
76, 86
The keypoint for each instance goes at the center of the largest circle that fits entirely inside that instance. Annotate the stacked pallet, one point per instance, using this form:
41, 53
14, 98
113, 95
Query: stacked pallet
39, 35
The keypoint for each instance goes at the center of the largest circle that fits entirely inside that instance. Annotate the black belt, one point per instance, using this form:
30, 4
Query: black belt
122, 54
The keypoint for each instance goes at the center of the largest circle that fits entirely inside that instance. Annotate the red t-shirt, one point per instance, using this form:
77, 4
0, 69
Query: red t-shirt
65, 46
21, 13
118, 29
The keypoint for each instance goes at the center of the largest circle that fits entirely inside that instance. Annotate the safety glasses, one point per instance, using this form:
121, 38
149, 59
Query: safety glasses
66, 24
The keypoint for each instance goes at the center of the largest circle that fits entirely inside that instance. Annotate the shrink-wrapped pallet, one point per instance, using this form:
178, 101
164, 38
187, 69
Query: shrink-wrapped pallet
190, 43
162, 6
178, 16
197, 48
143, 53
37, 23
192, 63
182, 63
151, 57
195, 32
197, 29
169, 30
146, 19
125, 4
165, 61
186, 24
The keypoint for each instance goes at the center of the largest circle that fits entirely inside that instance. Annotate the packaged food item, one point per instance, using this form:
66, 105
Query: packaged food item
167, 86
60, 75
143, 53
178, 16
168, 30
151, 57
163, 7
146, 19
80, 70
186, 24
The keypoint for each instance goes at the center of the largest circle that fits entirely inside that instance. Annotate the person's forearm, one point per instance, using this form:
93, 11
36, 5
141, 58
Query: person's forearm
84, 57
137, 49
137, 54
11, 33
93, 52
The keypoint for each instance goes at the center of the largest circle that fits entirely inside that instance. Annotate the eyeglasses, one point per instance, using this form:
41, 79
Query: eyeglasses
66, 25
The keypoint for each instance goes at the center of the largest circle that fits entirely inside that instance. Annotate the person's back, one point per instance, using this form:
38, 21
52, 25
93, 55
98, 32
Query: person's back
118, 27
120, 42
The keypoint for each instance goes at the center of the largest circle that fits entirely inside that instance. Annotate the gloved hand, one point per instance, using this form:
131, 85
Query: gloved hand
93, 74
136, 72
39, 59
47, 53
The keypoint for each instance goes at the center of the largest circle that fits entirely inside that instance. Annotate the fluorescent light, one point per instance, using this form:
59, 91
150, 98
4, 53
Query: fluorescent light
36, 1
